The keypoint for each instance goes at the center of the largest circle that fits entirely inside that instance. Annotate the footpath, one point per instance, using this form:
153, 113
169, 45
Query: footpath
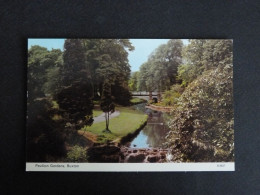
102, 118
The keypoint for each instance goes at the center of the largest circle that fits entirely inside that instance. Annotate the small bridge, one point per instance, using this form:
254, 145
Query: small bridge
143, 93
147, 95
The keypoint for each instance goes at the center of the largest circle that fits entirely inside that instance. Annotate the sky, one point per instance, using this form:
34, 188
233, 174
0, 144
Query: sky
143, 48
48, 43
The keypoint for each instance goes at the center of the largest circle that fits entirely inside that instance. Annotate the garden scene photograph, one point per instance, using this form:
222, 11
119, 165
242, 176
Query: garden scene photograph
130, 100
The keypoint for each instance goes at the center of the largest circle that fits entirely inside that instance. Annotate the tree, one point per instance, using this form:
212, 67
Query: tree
165, 61
38, 62
43, 71
107, 104
116, 69
203, 115
52, 84
217, 52
45, 136
202, 55
109, 58
193, 63
160, 71
146, 79
141, 84
121, 93
75, 94
173, 57
75, 67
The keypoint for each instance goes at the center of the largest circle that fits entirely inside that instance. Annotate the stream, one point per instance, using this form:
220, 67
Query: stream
147, 146
153, 134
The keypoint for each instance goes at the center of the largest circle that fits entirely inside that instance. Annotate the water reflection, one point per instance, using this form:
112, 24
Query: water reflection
153, 134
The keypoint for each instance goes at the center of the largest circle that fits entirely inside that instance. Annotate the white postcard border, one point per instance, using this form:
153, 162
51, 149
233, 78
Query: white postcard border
130, 167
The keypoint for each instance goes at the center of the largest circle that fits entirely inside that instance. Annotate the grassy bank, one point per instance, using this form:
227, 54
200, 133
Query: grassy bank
127, 122
136, 100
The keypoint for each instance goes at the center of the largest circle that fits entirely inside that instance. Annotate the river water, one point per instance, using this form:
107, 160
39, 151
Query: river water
153, 134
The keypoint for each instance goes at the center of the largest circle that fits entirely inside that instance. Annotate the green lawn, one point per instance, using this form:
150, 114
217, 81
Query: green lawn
127, 122
137, 100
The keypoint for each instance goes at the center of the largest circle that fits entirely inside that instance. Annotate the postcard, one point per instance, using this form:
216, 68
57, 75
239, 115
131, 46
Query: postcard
130, 105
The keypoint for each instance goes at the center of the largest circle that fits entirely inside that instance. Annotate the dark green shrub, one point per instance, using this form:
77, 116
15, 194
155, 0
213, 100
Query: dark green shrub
204, 115
171, 96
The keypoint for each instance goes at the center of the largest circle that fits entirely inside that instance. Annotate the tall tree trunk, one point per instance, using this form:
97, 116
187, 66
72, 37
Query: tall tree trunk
108, 121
